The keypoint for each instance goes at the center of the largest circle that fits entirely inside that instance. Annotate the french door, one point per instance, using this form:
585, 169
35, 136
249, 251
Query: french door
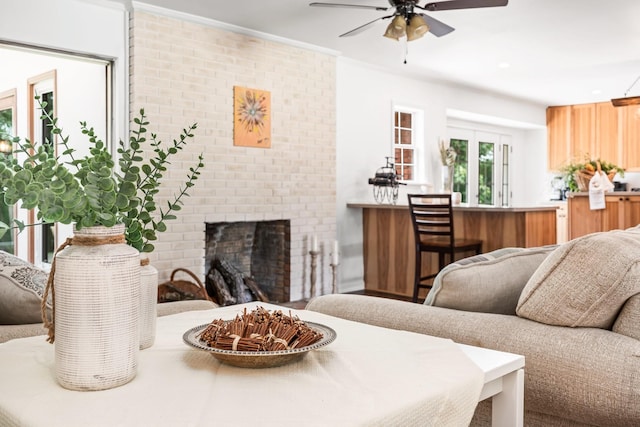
482, 168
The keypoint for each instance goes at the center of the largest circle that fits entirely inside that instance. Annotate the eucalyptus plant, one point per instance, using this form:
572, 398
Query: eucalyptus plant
90, 190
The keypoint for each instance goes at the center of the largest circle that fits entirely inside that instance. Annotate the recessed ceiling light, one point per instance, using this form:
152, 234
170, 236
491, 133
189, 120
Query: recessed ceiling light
596, 91
504, 65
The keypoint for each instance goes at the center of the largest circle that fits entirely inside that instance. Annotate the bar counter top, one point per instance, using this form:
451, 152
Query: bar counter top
464, 207
388, 241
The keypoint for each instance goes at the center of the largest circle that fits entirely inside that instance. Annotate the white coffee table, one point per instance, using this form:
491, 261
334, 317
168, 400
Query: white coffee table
368, 376
504, 381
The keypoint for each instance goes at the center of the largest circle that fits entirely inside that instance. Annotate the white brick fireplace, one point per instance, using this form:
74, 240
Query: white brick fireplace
183, 70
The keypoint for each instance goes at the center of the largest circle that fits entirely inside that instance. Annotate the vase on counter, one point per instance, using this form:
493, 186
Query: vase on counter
96, 289
447, 179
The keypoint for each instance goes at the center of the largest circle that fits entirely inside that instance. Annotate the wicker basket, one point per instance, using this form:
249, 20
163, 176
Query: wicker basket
584, 176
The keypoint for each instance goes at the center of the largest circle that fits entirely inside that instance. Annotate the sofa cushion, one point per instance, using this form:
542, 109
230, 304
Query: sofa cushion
21, 289
489, 283
628, 321
584, 282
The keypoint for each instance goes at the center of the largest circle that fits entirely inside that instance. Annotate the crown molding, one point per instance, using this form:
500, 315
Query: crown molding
170, 13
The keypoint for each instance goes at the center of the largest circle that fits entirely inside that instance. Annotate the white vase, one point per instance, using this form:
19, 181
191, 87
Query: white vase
447, 179
148, 303
97, 299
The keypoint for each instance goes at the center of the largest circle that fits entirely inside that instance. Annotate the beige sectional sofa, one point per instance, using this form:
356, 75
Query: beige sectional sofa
573, 311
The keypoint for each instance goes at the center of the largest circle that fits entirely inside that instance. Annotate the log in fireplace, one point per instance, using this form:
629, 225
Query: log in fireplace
257, 250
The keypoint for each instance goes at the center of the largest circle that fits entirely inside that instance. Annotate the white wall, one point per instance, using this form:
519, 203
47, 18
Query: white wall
364, 103
90, 27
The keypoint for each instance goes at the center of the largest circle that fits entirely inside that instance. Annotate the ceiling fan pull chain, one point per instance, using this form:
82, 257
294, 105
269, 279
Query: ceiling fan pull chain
406, 50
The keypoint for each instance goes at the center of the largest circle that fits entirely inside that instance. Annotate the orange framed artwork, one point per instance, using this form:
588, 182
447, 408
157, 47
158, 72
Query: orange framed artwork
251, 117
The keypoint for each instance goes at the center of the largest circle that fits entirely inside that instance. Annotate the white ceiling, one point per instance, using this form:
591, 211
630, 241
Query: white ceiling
559, 51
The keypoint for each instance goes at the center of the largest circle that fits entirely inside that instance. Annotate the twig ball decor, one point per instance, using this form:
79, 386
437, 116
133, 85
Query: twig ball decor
260, 330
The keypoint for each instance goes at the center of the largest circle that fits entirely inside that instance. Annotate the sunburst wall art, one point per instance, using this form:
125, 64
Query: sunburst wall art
251, 117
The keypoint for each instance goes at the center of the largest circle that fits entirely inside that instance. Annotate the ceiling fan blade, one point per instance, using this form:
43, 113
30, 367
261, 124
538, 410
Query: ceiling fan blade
462, 4
437, 28
361, 28
351, 6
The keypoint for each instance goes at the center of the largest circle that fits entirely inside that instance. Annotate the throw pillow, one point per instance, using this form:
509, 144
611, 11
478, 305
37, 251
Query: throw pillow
489, 283
584, 282
628, 321
21, 288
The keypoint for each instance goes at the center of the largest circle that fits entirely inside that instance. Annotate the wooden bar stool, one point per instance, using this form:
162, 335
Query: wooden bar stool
432, 218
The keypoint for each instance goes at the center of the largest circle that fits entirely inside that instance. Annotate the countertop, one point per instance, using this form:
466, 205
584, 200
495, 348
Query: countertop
608, 193
464, 207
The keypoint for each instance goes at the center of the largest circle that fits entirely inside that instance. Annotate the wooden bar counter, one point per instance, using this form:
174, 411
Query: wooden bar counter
388, 243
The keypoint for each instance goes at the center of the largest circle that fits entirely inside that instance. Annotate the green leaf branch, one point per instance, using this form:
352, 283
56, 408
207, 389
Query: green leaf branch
89, 190
142, 222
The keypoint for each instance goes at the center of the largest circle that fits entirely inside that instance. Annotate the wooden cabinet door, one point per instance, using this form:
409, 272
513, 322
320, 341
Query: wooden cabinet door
613, 216
630, 137
558, 136
583, 125
631, 212
607, 145
582, 220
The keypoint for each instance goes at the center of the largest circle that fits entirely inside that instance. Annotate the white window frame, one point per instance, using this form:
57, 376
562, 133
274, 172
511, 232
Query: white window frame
417, 140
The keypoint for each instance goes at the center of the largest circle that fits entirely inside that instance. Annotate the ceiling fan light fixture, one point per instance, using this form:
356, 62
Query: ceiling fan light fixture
417, 28
397, 28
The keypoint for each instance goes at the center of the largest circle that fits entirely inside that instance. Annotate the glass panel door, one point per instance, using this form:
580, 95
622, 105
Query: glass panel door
486, 160
461, 168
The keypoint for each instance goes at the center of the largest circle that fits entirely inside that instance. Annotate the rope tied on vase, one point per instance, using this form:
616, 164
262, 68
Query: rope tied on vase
78, 241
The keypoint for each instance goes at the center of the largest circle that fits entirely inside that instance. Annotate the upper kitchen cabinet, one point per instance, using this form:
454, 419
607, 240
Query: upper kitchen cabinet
558, 136
630, 136
583, 135
607, 143
576, 132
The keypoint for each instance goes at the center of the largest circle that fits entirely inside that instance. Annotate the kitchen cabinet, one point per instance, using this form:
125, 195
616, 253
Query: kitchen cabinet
562, 223
607, 142
558, 136
630, 135
622, 211
583, 136
577, 132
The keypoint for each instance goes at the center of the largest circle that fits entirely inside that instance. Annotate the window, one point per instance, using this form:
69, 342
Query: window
481, 172
407, 132
77, 87
7, 126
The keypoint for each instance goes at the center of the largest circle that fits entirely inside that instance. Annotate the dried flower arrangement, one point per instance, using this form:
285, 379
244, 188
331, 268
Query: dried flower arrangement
447, 155
260, 330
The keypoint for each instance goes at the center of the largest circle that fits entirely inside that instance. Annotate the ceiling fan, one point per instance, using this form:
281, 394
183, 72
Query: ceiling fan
407, 22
